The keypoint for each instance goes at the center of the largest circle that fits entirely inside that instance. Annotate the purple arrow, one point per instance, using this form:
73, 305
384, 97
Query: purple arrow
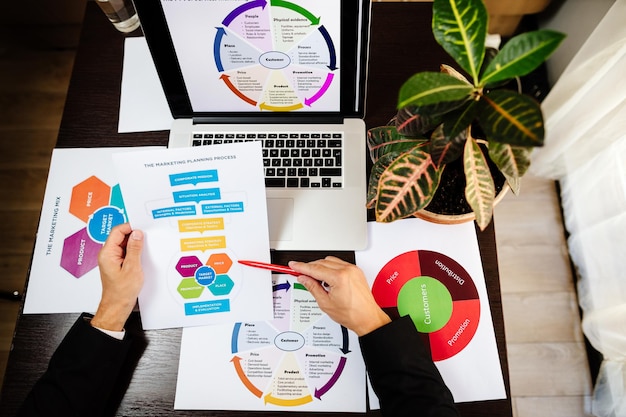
332, 381
243, 8
320, 93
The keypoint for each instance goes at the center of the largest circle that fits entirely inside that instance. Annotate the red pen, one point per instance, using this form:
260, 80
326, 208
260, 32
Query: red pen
272, 267
278, 268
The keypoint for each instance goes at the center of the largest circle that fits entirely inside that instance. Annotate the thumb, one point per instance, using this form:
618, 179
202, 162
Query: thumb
134, 247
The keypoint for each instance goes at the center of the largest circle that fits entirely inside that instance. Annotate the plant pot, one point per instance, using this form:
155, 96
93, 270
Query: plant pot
449, 205
505, 15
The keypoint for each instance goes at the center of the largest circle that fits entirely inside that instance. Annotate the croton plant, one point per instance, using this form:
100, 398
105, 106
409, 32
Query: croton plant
451, 114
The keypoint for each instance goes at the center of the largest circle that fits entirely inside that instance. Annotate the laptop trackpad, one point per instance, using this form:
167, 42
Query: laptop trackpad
280, 218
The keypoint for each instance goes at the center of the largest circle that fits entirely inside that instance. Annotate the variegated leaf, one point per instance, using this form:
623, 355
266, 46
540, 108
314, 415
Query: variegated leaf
414, 121
377, 170
445, 149
406, 186
480, 190
512, 161
460, 27
508, 117
385, 139
429, 88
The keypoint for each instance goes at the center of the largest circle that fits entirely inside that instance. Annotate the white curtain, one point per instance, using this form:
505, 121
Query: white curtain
585, 116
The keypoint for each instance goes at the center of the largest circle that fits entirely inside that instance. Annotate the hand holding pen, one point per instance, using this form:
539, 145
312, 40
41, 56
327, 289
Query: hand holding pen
349, 301
340, 289
277, 268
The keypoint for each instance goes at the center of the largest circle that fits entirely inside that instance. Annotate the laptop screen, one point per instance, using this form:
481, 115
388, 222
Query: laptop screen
225, 57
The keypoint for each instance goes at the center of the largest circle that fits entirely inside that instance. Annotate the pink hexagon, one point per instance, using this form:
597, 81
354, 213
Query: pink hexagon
187, 265
80, 253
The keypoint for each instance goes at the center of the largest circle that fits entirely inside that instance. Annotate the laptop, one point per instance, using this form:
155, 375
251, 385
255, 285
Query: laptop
291, 74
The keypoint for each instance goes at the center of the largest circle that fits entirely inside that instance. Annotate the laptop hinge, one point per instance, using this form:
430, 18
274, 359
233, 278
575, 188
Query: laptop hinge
268, 120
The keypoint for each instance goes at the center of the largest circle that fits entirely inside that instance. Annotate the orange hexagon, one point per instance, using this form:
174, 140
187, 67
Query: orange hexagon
220, 262
89, 196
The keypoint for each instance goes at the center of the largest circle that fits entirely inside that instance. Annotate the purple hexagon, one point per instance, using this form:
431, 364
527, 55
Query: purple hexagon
80, 253
187, 265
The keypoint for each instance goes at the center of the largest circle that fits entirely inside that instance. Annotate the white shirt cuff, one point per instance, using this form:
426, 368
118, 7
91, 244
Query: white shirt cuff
113, 333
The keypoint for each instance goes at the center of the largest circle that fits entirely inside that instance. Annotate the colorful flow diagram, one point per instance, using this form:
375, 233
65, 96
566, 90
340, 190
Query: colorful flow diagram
295, 359
276, 56
101, 207
438, 294
202, 272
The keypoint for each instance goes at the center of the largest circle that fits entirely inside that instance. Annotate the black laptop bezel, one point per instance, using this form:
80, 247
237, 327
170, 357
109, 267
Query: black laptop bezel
157, 35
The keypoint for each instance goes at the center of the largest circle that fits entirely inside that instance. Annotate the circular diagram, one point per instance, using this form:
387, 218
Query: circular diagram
298, 356
437, 293
275, 56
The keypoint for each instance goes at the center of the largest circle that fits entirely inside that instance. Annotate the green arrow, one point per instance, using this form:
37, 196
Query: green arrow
296, 8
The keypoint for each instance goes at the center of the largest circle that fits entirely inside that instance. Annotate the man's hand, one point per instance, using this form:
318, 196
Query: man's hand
348, 300
121, 273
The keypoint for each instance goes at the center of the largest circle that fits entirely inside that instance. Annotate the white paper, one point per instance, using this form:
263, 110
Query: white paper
201, 209
458, 321
143, 106
300, 361
82, 188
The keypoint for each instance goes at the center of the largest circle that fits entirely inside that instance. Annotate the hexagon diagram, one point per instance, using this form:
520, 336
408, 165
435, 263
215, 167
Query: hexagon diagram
88, 196
101, 207
197, 276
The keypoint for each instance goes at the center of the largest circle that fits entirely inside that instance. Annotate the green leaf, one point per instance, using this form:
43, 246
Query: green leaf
415, 121
429, 88
385, 139
512, 161
458, 120
445, 149
406, 186
521, 55
512, 118
460, 27
480, 190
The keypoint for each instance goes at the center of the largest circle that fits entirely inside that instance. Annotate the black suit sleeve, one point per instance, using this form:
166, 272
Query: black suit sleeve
403, 374
81, 374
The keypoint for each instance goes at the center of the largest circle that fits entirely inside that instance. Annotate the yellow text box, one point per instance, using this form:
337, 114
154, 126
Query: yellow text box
201, 225
203, 243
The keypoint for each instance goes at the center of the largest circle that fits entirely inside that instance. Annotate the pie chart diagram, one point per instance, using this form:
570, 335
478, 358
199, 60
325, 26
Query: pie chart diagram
295, 359
437, 293
276, 56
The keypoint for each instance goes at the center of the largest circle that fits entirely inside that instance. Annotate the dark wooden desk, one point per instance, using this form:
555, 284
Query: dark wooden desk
401, 45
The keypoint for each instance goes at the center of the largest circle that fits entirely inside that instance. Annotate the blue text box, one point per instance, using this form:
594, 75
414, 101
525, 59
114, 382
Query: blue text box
234, 207
195, 178
173, 212
207, 307
197, 195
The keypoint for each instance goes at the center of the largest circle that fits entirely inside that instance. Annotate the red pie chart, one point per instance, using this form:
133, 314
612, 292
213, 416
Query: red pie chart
438, 294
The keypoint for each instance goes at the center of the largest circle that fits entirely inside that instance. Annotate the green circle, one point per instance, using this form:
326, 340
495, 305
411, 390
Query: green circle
427, 301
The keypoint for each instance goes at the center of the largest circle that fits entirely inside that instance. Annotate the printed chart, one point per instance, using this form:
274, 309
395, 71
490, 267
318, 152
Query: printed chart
437, 293
101, 207
202, 276
301, 360
201, 210
433, 273
275, 56
81, 205
308, 353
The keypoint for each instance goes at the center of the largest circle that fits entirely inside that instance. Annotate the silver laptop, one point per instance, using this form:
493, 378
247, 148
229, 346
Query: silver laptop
290, 74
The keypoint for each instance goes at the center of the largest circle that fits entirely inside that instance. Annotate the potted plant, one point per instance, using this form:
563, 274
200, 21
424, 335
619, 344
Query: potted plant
463, 120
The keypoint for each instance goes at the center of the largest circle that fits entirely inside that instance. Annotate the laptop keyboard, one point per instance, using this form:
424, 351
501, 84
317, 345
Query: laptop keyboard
291, 160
